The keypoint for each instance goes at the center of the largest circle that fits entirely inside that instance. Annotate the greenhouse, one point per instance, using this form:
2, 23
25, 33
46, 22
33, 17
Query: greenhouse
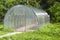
23, 18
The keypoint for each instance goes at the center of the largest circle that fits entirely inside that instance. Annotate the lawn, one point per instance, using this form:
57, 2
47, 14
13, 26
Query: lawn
2, 31
48, 32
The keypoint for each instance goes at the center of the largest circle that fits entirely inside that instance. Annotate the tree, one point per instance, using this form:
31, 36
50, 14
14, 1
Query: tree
7, 4
55, 12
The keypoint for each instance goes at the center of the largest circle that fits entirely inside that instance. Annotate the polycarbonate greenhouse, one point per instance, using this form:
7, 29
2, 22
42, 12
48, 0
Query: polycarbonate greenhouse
23, 18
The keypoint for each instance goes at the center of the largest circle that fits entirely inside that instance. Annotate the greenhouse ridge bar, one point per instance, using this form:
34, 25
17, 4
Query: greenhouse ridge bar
23, 18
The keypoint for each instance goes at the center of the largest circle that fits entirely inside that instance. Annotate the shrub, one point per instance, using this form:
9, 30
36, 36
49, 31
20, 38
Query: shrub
55, 12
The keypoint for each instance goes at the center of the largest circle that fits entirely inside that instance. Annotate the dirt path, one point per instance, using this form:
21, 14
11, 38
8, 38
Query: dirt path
9, 34
25, 28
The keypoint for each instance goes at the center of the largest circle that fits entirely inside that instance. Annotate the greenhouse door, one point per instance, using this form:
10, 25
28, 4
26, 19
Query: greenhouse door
20, 23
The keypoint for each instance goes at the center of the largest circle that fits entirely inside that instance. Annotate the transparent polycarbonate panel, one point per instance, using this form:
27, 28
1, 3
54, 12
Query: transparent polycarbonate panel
8, 20
31, 22
47, 19
19, 19
22, 18
43, 20
14, 19
42, 16
40, 20
27, 19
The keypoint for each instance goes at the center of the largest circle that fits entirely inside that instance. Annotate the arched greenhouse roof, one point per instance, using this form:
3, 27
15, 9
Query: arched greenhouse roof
36, 11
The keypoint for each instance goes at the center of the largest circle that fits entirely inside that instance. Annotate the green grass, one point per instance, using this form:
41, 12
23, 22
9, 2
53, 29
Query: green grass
2, 31
48, 32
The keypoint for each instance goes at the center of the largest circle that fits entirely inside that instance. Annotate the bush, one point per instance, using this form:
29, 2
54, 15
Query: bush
55, 12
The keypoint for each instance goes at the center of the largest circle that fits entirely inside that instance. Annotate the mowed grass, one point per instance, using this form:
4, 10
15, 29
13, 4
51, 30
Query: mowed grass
48, 32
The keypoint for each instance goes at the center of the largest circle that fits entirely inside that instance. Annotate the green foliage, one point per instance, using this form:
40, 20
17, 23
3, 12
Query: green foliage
48, 32
7, 4
34, 3
51, 6
45, 4
53, 9
55, 12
